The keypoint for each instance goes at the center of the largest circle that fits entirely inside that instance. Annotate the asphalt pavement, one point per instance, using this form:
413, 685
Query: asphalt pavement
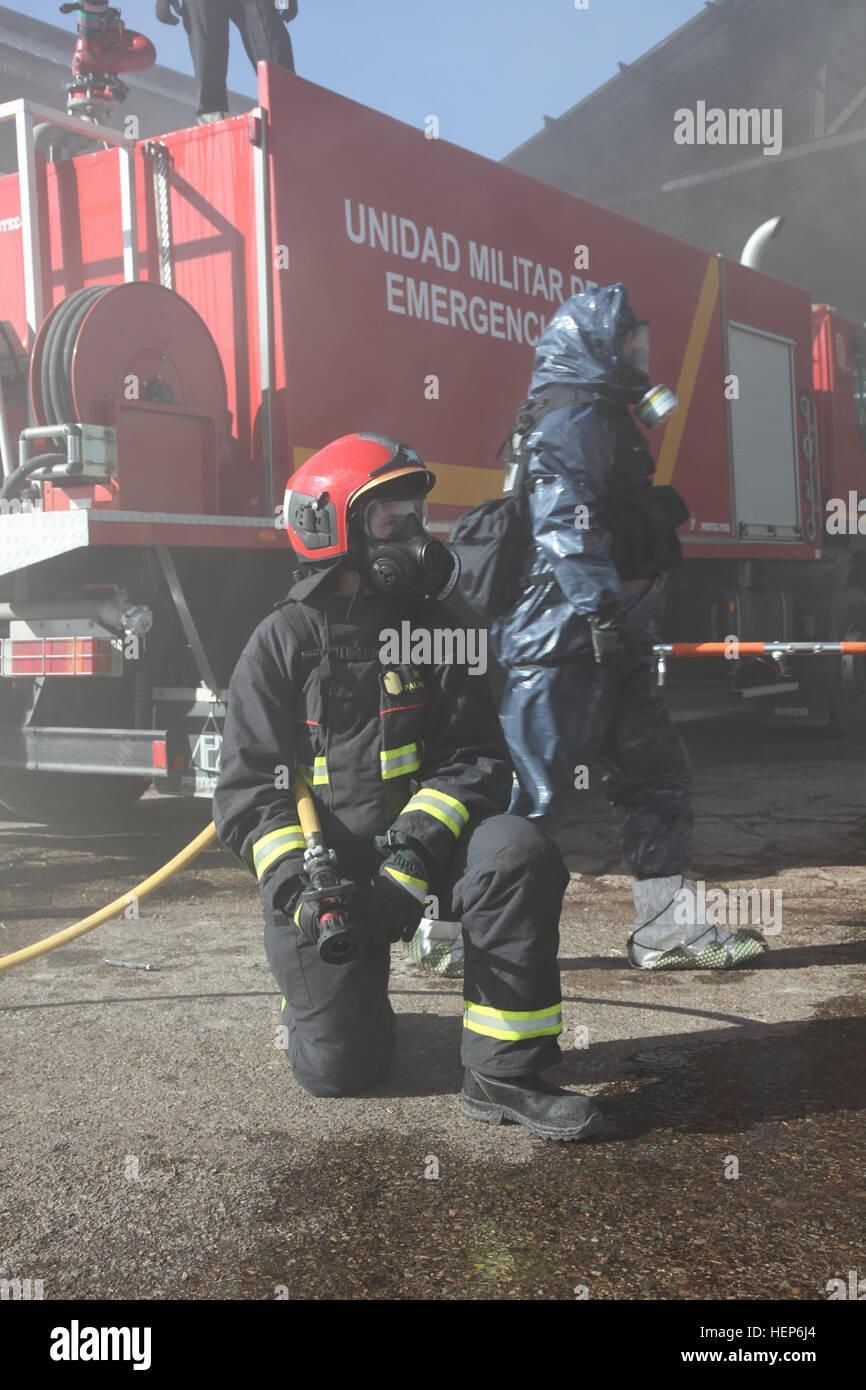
156, 1146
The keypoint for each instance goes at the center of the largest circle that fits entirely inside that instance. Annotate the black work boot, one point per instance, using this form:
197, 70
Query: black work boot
543, 1109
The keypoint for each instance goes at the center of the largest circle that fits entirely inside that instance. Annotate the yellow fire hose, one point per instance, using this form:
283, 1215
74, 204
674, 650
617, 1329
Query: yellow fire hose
307, 813
148, 885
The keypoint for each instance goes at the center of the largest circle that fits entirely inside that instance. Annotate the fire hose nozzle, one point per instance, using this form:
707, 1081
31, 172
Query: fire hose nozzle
338, 937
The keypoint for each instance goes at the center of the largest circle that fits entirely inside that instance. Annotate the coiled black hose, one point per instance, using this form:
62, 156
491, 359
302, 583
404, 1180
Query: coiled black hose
57, 403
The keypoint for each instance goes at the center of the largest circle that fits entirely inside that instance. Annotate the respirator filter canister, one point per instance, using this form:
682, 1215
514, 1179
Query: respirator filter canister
656, 406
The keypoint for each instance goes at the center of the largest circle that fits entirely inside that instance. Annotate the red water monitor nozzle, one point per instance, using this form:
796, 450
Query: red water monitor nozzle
104, 48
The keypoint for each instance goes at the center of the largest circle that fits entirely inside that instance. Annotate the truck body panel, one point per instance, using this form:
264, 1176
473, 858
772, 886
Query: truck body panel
349, 273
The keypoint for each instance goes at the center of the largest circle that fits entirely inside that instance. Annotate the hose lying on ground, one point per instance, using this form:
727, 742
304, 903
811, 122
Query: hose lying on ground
113, 909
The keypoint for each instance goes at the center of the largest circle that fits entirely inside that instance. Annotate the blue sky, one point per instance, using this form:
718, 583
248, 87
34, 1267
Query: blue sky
489, 69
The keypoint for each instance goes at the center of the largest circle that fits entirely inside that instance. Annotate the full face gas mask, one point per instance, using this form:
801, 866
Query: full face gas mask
659, 402
635, 347
399, 557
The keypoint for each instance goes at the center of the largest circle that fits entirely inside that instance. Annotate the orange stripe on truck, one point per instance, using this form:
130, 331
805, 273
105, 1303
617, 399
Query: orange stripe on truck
689, 371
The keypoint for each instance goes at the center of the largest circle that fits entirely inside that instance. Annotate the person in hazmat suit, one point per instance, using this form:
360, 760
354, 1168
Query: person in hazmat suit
399, 745
576, 647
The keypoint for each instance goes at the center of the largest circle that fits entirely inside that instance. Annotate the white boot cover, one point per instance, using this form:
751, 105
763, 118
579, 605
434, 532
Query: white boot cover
438, 947
669, 935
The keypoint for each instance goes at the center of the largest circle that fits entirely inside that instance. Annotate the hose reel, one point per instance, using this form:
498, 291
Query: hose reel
105, 346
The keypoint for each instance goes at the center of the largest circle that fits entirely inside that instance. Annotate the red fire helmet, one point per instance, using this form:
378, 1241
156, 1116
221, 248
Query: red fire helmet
321, 493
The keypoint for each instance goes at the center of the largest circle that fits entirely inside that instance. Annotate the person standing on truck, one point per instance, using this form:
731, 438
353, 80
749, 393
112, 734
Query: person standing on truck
262, 28
410, 779
577, 646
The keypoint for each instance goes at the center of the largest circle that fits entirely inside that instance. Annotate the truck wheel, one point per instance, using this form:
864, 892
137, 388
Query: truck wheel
69, 799
848, 690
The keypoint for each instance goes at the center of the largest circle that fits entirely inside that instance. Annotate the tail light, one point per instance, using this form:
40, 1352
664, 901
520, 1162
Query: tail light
56, 656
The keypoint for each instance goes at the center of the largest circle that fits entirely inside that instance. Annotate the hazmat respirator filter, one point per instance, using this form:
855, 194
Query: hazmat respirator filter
656, 406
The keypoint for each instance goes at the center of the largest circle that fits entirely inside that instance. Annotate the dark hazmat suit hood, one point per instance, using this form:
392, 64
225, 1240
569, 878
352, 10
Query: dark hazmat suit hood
582, 346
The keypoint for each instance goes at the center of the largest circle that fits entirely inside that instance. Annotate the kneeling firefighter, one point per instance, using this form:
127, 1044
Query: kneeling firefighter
577, 644
410, 778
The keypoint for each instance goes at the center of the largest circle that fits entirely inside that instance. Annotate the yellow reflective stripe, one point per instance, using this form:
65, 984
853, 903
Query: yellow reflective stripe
395, 752
438, 815
416, 886
449, 801
511, 1026
396, 762
420, 802
388, 773
553, 1010
509, 1034
286, 840
280, 852
316, 776
275, 834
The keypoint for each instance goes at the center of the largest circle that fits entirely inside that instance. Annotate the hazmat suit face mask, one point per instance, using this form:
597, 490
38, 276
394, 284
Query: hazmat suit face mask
659, 403
401, 558
635, 347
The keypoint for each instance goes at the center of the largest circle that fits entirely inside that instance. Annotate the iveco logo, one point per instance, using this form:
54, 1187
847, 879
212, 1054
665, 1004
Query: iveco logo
9, 224
795, 713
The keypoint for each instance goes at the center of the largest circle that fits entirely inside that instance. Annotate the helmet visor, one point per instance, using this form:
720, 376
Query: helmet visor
384, 517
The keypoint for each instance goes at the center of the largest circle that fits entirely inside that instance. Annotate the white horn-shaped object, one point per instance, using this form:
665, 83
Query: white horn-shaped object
754, 248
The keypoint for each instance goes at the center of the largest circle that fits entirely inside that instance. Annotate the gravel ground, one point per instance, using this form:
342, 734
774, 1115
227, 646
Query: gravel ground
156, 1146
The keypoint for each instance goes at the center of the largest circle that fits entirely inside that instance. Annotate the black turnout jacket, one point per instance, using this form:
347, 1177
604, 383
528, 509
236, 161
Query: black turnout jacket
413, 746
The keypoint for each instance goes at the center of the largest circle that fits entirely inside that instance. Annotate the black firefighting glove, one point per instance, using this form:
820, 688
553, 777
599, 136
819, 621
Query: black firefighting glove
287, 900
164, 11
394, 904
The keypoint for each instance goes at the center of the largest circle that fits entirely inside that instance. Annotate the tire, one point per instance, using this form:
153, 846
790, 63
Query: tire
848, 688
72, 800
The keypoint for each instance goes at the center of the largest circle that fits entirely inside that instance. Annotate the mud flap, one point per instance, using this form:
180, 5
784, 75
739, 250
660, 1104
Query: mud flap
809, 705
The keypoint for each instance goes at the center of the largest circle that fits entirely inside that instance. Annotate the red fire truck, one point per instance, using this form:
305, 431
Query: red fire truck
184, 320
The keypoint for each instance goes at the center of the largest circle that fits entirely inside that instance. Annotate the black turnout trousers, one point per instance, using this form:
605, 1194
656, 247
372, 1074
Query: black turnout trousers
506, 885
263, 32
